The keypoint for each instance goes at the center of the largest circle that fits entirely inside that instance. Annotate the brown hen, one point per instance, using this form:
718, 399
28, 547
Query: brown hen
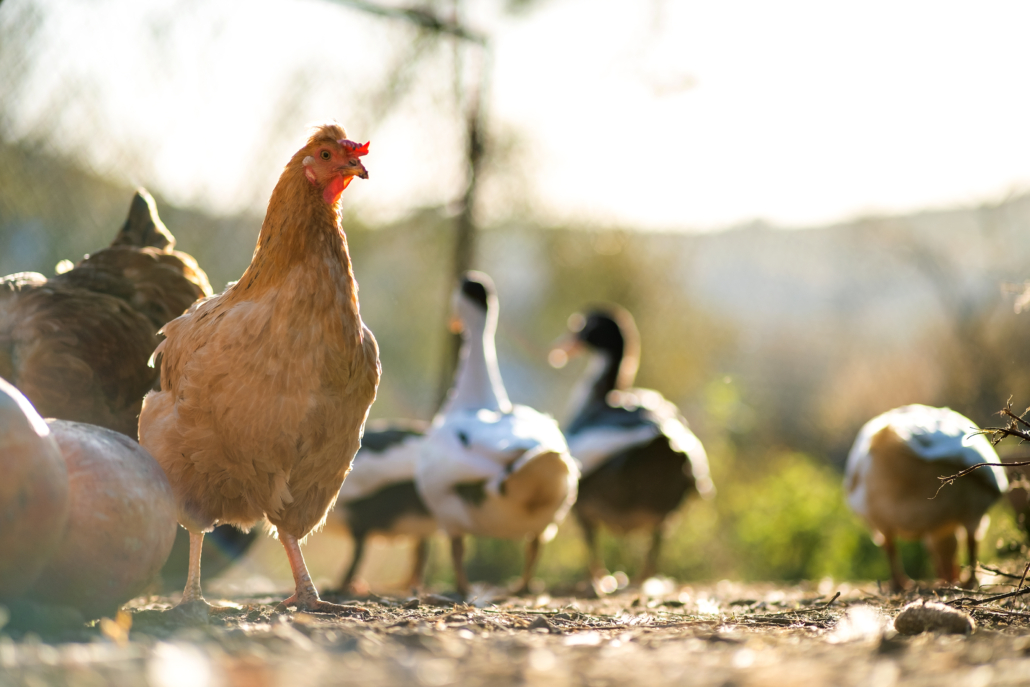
77, 344
265, 388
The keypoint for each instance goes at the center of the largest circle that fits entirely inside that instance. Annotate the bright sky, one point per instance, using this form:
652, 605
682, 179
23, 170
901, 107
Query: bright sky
664, 115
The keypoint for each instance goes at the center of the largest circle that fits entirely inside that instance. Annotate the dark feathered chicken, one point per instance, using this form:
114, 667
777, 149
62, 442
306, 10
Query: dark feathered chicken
77, 344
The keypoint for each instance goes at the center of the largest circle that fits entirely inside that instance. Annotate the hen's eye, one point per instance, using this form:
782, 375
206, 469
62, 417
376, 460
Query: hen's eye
325, 155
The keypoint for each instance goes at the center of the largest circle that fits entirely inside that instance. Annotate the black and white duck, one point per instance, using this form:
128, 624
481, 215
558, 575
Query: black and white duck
379, 495
488, 467
637, 456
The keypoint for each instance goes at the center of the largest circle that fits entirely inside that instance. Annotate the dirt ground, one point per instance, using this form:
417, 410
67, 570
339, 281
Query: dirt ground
661, 634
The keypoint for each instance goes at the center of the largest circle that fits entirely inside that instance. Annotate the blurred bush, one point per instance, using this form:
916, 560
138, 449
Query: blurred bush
786, 521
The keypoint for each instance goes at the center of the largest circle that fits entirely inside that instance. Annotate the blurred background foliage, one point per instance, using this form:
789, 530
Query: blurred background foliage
777, 344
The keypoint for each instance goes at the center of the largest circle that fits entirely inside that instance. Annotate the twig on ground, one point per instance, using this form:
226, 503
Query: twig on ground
1001, 573
969, 601
1023, 578
835, 597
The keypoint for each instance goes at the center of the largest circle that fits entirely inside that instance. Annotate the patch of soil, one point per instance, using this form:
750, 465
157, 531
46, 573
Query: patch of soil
663, 634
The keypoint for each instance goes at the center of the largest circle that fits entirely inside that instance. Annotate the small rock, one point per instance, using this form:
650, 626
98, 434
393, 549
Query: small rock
436, 600
930, 616
540, 623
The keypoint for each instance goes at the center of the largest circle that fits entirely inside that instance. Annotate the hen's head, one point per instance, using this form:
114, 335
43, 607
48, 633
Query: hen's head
330, 160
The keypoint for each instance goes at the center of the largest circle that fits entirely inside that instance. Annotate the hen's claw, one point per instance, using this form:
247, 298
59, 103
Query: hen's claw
197, 610
318, 606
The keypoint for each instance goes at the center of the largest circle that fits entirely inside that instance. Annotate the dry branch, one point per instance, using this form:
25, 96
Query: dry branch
1020, 591
1018, 427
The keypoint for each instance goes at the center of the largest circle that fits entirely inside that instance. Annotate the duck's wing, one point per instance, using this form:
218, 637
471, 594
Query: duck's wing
635, 418
532, 434
387, 456
489, 441
933, 434
479, 449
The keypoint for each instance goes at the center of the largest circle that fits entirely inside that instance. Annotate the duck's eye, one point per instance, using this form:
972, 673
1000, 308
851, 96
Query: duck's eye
326, 155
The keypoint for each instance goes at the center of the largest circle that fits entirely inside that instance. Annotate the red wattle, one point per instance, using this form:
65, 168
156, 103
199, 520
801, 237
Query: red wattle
334, 188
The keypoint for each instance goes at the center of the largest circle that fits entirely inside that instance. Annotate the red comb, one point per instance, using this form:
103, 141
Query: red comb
355, 149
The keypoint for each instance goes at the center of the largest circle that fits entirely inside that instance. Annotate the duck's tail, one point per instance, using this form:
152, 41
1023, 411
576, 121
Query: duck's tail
541, 484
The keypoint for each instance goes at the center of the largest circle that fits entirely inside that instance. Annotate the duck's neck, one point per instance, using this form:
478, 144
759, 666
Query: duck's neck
607, 370
601, 376
478, 383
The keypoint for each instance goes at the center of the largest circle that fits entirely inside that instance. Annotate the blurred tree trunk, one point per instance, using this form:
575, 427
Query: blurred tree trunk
465, 230
465, 223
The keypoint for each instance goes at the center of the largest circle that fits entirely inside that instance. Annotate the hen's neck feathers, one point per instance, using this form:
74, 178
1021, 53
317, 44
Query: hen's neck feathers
478, 383
300, 230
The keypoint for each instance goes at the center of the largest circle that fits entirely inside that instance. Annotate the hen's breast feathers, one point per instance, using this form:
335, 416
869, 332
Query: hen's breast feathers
261, 388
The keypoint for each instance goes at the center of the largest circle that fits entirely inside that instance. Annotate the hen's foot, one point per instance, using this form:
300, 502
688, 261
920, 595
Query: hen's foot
197, 611
316, 605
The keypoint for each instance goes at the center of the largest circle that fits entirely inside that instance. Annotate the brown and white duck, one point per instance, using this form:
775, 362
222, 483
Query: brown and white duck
892, 482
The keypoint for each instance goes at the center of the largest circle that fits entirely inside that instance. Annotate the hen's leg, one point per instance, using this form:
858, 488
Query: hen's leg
192, 591
306, 596
461, 581
418, 569
193, 602
532, 554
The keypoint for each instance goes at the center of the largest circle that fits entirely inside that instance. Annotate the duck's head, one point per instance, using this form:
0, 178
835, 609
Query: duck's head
608, 332
474, 304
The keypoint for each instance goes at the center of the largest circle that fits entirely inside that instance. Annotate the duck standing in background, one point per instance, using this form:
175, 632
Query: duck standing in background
379, 495
487, 467
637, 457
892, 481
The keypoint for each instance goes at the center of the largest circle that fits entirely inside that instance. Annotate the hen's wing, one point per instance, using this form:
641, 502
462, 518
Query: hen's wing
77, 355
159, 285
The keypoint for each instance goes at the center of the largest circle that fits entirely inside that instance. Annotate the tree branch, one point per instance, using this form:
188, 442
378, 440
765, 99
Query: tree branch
423, 17
1013, 429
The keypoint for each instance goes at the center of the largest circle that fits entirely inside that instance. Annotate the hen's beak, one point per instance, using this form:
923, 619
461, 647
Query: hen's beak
354, 168
568, 346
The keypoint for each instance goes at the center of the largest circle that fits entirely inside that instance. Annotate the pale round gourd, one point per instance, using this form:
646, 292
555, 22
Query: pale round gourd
33, 493
121, 522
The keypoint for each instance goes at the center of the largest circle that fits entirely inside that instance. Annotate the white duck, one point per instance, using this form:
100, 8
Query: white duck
892, 476
487, 467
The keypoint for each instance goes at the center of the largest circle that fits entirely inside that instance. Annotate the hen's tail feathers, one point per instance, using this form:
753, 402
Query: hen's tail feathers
144, 227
